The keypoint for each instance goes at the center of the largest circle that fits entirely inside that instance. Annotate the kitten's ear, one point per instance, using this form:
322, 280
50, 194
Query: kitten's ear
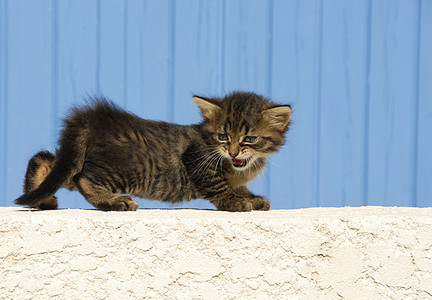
278, 116
209, 109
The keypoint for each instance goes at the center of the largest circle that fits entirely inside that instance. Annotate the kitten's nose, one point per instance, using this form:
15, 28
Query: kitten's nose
233, 153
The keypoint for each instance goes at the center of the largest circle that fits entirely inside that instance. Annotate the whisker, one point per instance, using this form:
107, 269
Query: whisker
272, 163
207, 159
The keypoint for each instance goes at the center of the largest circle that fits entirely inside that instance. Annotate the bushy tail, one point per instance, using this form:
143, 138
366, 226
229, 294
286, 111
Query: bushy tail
69, 160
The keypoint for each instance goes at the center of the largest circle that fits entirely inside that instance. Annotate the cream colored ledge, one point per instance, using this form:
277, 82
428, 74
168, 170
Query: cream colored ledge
323, 253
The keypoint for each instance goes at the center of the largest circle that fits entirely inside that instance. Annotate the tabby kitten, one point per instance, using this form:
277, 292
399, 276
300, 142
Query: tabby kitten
108, 154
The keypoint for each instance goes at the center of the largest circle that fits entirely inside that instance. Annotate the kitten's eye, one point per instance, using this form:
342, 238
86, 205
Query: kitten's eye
222, 137
250, 139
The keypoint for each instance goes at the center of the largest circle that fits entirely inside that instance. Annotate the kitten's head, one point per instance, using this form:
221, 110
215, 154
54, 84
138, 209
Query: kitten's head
244, 127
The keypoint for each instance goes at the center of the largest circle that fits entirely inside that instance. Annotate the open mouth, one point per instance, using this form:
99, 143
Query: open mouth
239, 163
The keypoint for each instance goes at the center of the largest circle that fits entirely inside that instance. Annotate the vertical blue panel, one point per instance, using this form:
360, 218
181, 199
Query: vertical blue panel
342, 102
245, 56
76, 70
3, 100
29, 87
147, 65
134, 55
246, 46
391, 102
318, 99
112, 49
296, 44
424, 156
54, 70
197, 56
171, 59
77, 52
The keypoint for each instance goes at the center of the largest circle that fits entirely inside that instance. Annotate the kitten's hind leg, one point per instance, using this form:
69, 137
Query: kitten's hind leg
38, 168
100, 197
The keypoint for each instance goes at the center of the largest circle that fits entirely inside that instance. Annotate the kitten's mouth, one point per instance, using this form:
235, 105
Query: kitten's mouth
239, 163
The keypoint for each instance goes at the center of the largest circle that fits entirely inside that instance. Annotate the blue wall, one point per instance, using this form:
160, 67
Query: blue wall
358, 73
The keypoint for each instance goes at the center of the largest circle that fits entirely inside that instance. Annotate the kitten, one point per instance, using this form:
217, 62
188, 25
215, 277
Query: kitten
108, 154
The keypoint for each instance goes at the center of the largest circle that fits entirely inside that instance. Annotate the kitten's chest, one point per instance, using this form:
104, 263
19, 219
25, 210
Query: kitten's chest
237, 179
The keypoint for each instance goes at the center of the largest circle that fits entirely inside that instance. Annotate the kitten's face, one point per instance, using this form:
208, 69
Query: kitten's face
244, 127
240, 145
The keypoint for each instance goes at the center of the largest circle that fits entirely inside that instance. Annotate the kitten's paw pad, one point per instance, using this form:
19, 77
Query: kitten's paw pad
260, 203
123, 203
237, 205
48, 203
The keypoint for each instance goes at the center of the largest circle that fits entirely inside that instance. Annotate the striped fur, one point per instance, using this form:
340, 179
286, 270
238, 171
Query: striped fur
108, 155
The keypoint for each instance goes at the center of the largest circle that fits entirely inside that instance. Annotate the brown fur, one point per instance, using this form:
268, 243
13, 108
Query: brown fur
105, 151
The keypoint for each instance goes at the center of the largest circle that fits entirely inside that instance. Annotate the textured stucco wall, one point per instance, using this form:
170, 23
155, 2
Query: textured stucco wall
326, 253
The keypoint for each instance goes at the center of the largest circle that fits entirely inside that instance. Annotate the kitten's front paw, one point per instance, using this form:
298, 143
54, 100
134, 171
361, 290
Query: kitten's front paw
123, 203
260, 203
236, 205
